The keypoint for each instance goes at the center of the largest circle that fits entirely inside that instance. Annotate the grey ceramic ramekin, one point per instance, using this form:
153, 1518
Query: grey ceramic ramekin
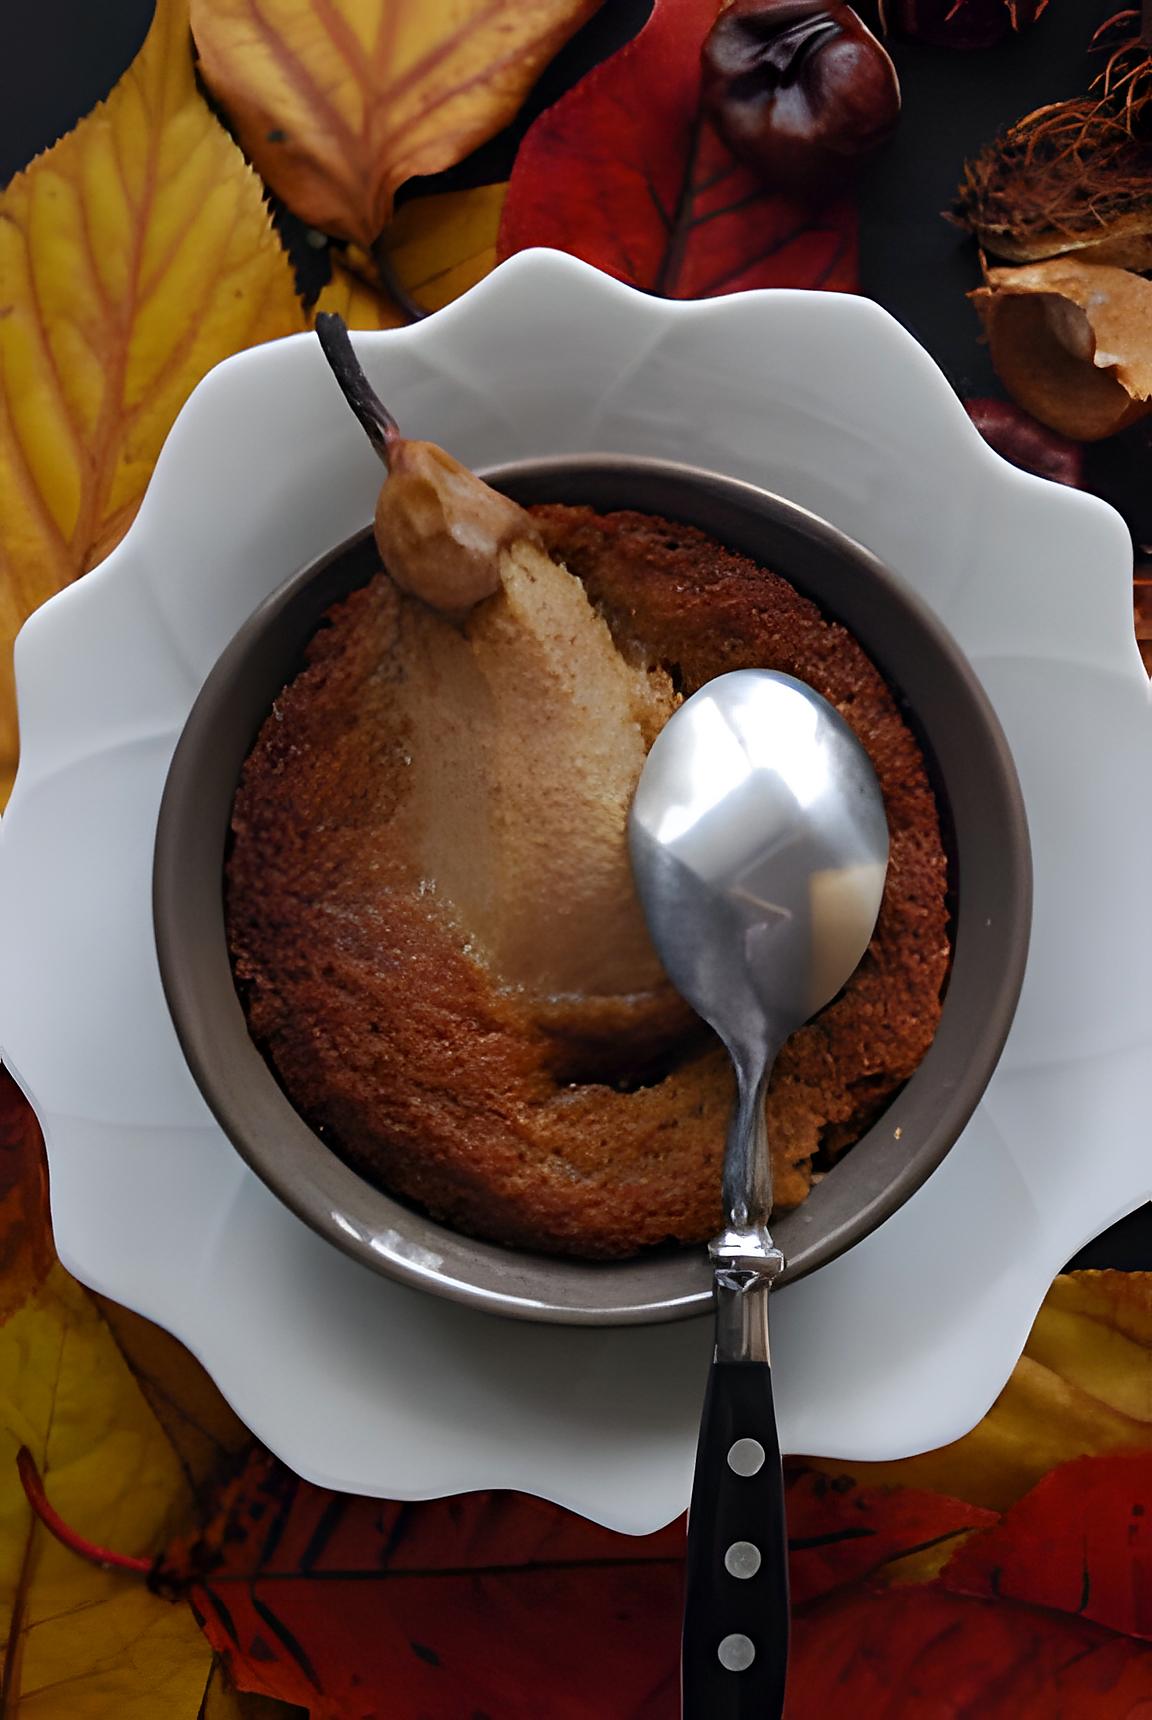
983, 817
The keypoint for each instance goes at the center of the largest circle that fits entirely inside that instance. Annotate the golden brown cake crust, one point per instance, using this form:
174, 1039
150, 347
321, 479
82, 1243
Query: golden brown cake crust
405, 1053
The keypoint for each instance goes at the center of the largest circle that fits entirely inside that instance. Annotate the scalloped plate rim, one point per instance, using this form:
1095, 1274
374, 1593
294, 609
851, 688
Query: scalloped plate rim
133, 552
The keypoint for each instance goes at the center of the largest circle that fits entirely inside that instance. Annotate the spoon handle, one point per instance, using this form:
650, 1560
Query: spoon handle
735, 1645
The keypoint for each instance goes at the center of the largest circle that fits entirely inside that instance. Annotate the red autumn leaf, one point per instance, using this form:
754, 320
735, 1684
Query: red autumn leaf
479, 1598
477, 1605
926, 1654
625, 172
356, 1609
1080, 1542
1048, 1612
839, 1533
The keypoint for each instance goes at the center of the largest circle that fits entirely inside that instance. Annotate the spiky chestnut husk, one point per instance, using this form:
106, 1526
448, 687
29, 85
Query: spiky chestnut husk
1073, 175
1068, 177
958, 23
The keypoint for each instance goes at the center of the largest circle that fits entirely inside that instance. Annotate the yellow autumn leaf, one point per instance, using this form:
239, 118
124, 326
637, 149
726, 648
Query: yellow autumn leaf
134, 255
361, 304
203, 1431
83, 1643
436, 248
1082, 1386
337, 105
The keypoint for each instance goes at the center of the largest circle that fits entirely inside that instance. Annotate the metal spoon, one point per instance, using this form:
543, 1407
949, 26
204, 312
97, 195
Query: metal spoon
759, 847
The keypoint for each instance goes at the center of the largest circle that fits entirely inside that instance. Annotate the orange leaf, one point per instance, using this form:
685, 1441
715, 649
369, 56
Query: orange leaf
135, 254
337, 104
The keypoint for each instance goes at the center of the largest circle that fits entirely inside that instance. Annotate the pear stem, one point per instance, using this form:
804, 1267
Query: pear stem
383, 430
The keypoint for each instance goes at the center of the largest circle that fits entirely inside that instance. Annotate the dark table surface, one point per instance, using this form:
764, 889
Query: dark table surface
59, 57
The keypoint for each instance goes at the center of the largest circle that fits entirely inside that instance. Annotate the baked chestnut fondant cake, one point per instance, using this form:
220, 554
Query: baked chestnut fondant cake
430, 910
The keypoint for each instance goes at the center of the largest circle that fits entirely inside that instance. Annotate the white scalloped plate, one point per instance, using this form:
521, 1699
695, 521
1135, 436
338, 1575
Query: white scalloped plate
355, 1381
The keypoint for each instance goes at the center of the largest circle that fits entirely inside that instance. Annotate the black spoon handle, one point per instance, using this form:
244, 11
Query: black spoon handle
735, 1647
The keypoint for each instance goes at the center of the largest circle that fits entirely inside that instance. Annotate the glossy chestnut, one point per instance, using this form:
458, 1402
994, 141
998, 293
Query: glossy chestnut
1022, 439
801, 91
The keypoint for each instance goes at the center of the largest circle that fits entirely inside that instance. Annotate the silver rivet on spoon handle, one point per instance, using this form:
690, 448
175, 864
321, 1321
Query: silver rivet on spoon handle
759, 847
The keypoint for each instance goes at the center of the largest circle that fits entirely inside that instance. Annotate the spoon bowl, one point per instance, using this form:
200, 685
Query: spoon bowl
759, 846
